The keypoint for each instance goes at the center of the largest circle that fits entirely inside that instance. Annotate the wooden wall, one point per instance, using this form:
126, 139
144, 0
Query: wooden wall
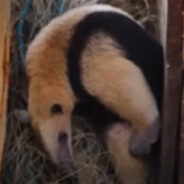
4, 68
181, 132
171, 35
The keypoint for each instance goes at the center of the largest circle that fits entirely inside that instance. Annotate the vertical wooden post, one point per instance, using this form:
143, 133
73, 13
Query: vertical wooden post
181, 147
4, 69
181, 141
171, 31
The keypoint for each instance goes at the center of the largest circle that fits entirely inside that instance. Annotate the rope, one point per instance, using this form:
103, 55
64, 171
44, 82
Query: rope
20, 27
58, 7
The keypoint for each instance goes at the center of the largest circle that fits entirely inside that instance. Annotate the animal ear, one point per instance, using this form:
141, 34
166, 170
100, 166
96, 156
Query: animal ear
22, 115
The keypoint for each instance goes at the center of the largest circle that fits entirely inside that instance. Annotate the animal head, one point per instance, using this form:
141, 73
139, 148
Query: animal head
50, 99
50, 113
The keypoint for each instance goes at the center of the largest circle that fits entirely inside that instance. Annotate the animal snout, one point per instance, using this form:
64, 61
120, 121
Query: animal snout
66, 167
64, 159
63, 137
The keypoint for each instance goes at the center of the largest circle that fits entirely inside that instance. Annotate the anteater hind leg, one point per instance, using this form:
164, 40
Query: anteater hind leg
129, 170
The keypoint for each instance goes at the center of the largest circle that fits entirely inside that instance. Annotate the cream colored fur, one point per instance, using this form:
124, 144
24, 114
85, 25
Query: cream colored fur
46, 62
129, 169
117, 82
106, 74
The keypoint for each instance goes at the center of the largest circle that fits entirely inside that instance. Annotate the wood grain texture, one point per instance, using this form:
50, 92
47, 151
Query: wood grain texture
171, 27
4, 68
181, 141
181, 147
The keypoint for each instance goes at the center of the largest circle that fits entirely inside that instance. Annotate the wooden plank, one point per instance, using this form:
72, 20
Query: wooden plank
181, 145
4, 69
171, 27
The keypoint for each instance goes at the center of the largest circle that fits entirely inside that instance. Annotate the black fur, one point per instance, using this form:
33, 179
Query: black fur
97, 115
139, 46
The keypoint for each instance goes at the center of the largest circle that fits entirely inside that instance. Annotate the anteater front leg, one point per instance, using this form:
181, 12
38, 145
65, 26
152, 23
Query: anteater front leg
129, 169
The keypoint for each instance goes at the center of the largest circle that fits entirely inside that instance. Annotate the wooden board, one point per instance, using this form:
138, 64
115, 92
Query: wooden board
171, 31
181, 146
4, 69
181, 132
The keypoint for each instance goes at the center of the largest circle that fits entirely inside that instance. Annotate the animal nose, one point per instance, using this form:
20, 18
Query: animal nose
67, 167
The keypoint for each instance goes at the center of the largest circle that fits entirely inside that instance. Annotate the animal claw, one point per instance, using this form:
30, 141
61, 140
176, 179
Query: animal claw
141, 142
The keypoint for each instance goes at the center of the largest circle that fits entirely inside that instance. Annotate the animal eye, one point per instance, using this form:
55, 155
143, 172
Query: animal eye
56, 109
